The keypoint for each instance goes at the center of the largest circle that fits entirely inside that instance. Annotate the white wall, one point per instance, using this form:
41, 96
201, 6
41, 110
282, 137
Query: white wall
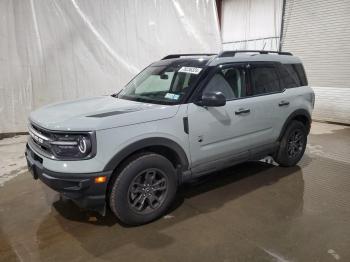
55, 50
251, 24
318, 32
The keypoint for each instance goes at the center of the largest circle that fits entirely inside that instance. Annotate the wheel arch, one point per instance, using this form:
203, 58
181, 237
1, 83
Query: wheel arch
301, 115
163, 146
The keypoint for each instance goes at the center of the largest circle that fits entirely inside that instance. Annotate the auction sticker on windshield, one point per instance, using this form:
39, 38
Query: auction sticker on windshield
190, 70
172, 96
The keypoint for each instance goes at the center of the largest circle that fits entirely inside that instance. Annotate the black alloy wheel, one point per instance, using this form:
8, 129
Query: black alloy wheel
295, 143
143, 188
292, 144
147, 191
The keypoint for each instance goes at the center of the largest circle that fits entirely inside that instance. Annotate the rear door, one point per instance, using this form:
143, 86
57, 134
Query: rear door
296, 95
267, 99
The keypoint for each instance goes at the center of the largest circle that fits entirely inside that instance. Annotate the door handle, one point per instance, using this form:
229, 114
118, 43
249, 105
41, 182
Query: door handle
283, 103
242, 111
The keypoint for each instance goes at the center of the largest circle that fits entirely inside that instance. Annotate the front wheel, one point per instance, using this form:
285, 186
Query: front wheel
293, 144
144, 189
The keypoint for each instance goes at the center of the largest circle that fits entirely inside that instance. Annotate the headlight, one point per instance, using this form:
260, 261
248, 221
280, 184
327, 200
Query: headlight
73, 146
84, 145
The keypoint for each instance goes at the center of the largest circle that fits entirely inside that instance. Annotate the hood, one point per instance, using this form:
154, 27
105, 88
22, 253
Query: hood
98, 113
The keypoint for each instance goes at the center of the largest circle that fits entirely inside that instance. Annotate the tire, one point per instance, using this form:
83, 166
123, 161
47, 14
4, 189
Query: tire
144, 189
293, 144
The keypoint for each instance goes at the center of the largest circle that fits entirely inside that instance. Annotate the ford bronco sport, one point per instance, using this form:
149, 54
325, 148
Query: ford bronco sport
181, 117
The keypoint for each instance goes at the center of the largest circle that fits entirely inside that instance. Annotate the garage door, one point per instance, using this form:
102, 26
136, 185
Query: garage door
318, 32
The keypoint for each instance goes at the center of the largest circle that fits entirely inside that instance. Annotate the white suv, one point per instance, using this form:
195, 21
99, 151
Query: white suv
180, 118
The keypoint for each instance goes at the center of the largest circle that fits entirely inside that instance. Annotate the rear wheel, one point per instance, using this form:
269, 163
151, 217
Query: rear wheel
293, 144
144, 189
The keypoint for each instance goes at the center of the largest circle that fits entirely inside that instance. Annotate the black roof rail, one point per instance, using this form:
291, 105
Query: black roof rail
179, 55
233, 53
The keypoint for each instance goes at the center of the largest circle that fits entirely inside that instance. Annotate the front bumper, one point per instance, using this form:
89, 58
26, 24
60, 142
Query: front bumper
76, 186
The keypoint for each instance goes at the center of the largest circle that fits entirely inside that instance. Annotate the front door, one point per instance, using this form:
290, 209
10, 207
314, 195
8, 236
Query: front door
223, 135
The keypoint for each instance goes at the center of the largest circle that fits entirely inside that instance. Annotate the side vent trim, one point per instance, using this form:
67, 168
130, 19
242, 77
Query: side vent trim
186, 127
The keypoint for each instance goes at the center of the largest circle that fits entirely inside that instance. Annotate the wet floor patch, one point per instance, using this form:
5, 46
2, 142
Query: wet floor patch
252, 212
12, 161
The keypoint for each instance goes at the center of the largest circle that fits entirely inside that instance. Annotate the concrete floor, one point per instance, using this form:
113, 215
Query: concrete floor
251, 212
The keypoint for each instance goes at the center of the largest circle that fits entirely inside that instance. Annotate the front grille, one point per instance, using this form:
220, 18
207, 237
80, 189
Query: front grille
40, 139
34, 155
59, 145
41, 131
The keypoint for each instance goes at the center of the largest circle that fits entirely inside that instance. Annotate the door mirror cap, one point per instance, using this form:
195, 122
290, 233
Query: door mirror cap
212, 99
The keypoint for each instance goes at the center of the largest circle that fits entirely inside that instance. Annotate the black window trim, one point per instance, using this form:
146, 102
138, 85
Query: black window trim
248, 65
197, 85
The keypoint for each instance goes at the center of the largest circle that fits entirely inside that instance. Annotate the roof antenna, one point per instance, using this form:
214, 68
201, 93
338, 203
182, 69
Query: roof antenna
264, 46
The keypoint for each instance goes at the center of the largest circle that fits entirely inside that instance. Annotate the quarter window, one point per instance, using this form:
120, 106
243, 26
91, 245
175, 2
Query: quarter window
265, 80
293, 75
301, 73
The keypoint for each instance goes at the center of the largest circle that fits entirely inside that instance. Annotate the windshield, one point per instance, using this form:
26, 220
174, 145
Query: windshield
161, 84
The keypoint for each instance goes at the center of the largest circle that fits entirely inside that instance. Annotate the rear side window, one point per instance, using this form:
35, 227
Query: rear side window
265, 79
293, 75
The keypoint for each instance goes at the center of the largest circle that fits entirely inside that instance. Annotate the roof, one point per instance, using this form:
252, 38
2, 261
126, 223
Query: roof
228, 57
284, 59
188, 61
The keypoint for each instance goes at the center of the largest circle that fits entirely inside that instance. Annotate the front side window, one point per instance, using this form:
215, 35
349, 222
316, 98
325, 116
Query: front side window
161, 84
231, 81
264, 79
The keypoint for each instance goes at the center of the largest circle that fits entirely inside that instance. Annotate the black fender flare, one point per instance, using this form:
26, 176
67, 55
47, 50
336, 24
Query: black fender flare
144, 143
299, 112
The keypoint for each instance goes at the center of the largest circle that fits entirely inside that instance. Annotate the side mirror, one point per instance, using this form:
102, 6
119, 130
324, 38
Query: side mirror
212, 99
